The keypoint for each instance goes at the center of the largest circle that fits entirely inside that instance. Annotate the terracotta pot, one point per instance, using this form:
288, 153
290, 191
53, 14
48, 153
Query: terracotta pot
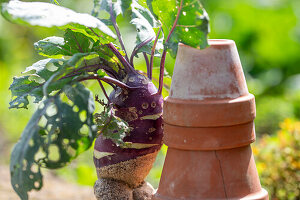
208, 120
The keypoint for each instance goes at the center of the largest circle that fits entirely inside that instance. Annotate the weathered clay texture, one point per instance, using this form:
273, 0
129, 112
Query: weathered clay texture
216, 72
208, 127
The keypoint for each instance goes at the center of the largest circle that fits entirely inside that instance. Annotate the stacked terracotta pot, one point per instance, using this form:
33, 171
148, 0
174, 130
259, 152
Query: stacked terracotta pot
209, 128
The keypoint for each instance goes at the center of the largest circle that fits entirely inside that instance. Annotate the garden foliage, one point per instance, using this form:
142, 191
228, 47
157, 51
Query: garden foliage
278, 161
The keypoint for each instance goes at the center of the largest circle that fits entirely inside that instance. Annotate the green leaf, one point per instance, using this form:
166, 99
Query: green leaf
56, 134
57, 47
31, 84
111, 126
192, 26
25, 172
145, 23
72, 128
34, 82
108, 60
118, 6
78, 42
82, 59
53, 47
50, 15
43, 69
146, 26
21, 88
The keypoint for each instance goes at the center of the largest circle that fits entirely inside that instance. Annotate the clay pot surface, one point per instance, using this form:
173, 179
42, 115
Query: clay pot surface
214, 72
208, 120
225, 174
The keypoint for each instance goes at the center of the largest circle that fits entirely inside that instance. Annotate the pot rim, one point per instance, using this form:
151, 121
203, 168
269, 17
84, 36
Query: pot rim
213, 42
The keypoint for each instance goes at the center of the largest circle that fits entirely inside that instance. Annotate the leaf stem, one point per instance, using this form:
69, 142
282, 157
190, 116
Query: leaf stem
94, 32
107, 80
91, 68
124, 62
155, 79
175, 22
104, 91
147, 63
47, 83
115, 25
163, 58
161, 72
96, 66
152, 54
138, 47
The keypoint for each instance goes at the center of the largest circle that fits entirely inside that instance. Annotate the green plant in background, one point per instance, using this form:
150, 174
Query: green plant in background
265, 111
278, 161
267, 34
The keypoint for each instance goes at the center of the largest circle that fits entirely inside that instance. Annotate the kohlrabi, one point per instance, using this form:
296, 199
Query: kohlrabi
129, 130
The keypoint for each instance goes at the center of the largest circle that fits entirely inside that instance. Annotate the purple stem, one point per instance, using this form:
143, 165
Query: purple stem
152, 54
124, 62
147, 63
165, 85
137, 48
163, 58
94, 67
99, 36
103, 90
114, 21
161, 72
107, 80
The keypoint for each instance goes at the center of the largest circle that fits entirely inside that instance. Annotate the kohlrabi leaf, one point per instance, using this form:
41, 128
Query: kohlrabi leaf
31, 84
72, 130
53, 47
42, 70
111, 126
24, 170
71, 43
82, 62
21, 88
192, 26
118, 6
77, 45
56, 134
146, 25
109, 61
50, 15
48, 75
77, 41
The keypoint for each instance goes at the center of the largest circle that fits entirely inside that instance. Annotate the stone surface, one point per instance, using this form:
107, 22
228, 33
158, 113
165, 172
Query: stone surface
143, 192
109, 189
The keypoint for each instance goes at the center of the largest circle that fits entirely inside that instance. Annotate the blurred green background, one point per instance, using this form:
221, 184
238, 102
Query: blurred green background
267, 34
